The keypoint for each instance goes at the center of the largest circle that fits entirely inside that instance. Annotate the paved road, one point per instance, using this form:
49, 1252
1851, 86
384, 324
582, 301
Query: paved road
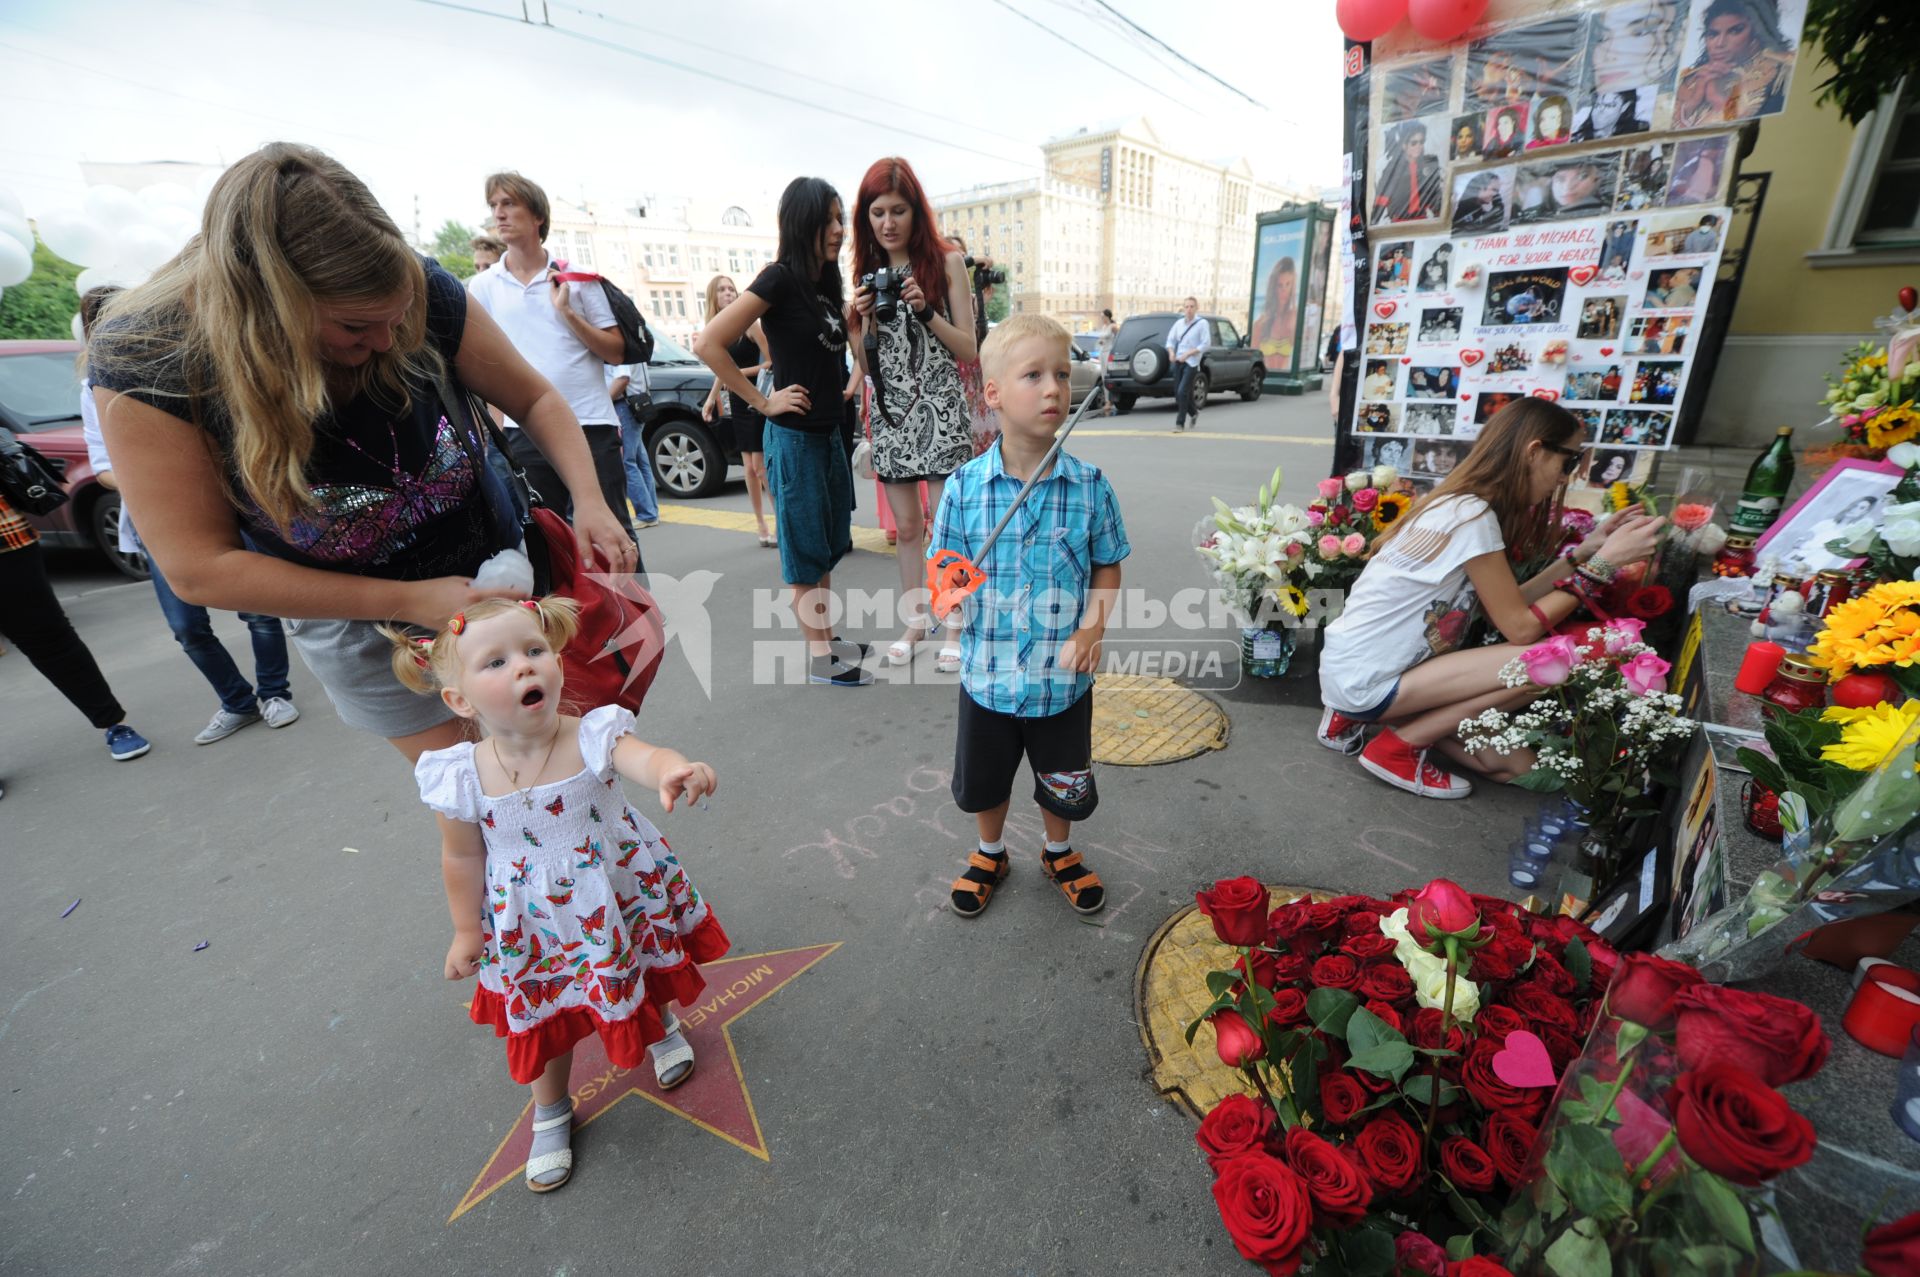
306, 1096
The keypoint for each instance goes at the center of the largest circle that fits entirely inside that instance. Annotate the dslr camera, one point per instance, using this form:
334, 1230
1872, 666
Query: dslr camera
885, 284
984, 275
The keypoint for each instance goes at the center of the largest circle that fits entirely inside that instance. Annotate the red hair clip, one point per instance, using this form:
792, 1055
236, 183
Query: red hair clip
458, 623
532, 605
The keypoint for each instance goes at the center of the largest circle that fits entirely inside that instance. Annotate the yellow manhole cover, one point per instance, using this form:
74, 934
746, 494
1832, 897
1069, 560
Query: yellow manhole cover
1141, 721
1170, 989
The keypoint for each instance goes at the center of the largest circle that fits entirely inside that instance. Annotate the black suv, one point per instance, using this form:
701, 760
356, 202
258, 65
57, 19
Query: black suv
689, 456
1139, 367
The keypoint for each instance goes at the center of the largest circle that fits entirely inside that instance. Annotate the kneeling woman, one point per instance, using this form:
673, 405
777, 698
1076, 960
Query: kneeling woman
1390, 660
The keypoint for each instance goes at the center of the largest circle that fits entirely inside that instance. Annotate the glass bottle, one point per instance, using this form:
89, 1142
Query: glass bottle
1766, 488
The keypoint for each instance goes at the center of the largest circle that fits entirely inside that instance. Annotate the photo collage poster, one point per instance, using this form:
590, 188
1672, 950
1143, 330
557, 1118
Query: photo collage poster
1596, 315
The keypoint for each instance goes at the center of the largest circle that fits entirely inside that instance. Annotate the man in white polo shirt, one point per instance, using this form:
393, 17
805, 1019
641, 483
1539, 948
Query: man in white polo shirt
1187, 342
565, 329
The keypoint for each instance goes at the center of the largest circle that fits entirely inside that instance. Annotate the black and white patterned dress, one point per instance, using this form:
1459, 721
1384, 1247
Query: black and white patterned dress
921, 425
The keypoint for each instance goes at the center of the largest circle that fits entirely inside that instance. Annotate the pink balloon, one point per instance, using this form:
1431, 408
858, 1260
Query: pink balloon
1368, 19
1444, 19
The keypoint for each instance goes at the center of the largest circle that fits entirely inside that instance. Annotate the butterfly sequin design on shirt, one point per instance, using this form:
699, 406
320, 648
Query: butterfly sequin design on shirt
365, 523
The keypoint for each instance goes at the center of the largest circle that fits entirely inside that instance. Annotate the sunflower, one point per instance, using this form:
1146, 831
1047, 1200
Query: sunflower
1619, 496
1868, 739
1290, 598
1392, 506
1895, 425
1880, 627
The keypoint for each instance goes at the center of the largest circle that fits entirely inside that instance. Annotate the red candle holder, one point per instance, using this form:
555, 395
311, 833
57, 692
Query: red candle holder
1760, 809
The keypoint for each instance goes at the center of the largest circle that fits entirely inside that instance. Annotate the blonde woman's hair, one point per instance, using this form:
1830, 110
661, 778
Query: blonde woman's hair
993, 352
426, 665
713, 294
233, 316
1497, 470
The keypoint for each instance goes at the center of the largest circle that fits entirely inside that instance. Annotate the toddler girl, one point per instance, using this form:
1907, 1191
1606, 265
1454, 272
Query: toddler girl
565, 900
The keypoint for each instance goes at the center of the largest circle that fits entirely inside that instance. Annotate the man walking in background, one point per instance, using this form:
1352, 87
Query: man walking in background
1187, 343
566, 330
626, 382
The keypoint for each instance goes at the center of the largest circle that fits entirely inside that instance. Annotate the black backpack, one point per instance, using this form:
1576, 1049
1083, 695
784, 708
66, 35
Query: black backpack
638, 342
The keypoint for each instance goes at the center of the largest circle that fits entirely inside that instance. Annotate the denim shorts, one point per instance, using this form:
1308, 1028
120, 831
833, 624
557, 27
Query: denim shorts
1373, 715
354, 662
812, 487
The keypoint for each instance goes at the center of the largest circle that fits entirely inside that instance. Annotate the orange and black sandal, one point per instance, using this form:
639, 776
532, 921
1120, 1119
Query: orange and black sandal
974, 888
1079, 884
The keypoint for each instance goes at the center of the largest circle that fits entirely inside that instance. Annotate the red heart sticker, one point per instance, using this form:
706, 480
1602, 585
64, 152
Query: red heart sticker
1385, 309
1639, 274
1522, 1062
1406, 359
1466, 398
1606, 350
1472, 357
1582, 274
1548, 395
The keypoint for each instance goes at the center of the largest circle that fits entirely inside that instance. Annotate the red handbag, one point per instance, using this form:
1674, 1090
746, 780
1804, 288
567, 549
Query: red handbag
614, 657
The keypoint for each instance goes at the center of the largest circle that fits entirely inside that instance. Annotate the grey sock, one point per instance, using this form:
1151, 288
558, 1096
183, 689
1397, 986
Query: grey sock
551, 1141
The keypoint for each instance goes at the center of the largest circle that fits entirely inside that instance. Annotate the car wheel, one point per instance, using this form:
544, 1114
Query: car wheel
1255, 384
1197, 391
1123, 404
687, 460
1148, 365
104, 522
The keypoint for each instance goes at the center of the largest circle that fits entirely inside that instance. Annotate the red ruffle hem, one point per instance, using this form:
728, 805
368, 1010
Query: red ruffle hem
626, 1039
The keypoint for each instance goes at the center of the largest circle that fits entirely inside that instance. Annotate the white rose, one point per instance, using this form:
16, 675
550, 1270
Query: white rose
1394, 927
1430, 988
1902, 528
1358, 480
1858, 536
1904, 455
1383, 476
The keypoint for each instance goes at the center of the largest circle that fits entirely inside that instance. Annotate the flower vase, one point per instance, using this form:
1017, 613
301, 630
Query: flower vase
1266, 653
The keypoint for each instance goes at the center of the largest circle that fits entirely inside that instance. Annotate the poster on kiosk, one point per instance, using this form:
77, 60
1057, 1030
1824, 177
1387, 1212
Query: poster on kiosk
1289, 296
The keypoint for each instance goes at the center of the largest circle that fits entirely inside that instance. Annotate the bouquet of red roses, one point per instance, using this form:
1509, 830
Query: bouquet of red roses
1393, 1045
1662, 1130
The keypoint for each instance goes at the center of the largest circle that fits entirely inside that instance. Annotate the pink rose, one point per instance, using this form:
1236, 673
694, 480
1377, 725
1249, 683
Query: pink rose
1442, 908
1549, 663
1623, 632
1689, 515
1645, 674
1354, 544
1329, 547
1316, 518
1365, 499
1578, 522
1295, 550
1330, 488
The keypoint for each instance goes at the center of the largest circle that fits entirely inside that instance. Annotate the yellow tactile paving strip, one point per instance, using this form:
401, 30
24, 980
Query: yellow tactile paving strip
1141, 721
741, 521
1170, 989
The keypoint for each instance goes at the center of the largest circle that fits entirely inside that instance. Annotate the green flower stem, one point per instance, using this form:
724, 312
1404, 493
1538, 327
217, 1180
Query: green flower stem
1613, 1093
1253, 1072
1446, 1026
1645, 1168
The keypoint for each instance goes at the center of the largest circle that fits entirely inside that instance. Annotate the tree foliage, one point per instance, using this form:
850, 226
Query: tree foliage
453, 247
1870, 44
42, 307
998, 306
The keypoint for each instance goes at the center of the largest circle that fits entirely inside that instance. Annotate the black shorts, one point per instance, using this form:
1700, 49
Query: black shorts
990, 745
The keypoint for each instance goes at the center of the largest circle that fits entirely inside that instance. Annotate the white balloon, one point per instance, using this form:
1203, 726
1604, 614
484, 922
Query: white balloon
178, 224
14, 226
203, 184
110, 207
16, 263
79, 329
142, 246
74, 237
11, 202
167, 195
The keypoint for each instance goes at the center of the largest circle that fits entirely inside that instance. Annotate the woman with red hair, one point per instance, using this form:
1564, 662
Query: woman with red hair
913, 338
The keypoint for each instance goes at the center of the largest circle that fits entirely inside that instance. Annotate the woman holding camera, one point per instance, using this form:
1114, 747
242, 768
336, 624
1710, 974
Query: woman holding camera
913, 312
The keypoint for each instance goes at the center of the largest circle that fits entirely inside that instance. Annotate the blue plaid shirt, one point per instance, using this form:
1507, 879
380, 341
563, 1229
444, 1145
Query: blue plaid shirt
1037, 576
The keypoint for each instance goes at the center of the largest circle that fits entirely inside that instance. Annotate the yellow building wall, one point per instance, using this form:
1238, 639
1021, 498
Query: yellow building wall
1806, 148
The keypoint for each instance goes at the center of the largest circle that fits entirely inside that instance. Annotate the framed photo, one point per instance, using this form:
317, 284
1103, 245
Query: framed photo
1418, 89
1440, 324
1850, 492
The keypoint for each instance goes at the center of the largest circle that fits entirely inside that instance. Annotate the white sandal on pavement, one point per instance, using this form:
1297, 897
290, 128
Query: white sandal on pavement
948, 661
672, 1056
558, 1160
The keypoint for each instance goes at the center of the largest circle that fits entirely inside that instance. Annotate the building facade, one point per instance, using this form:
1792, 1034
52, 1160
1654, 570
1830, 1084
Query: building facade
1120, 221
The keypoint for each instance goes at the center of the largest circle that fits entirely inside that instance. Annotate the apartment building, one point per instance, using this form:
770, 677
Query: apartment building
1120, 220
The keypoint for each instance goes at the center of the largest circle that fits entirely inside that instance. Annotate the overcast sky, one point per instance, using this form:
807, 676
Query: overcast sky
423, 99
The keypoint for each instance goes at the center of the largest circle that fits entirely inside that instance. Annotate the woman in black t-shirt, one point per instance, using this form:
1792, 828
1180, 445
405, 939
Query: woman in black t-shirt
272, 400
798, 301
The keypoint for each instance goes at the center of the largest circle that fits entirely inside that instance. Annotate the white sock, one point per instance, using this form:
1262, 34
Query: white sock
1058, 848
551, 1141
998, 847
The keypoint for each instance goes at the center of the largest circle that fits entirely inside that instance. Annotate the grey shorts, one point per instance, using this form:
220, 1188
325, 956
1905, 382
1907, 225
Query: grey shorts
354, 662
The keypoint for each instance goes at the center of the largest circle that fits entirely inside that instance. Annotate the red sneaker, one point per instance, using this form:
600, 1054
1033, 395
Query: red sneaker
1404, 767
1339, 733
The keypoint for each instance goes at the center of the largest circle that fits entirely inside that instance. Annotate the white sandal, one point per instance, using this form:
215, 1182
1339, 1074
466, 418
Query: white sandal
673, 1065
900, 651
558, 1160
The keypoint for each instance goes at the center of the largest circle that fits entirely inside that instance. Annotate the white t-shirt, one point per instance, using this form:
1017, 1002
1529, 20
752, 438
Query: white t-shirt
98, 459
525, 313
1413, 601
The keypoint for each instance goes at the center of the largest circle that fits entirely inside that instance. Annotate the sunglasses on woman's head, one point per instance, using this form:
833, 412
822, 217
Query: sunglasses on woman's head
1570, 457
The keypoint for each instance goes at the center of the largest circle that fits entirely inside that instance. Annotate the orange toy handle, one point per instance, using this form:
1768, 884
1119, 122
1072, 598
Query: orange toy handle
951, 577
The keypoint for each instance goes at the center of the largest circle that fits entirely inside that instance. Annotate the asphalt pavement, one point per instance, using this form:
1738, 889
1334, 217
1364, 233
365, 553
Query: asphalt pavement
305, 1095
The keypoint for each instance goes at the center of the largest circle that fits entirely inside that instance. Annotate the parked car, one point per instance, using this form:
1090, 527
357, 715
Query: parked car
1086, 372
689, 456
1139, 367
40, 402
